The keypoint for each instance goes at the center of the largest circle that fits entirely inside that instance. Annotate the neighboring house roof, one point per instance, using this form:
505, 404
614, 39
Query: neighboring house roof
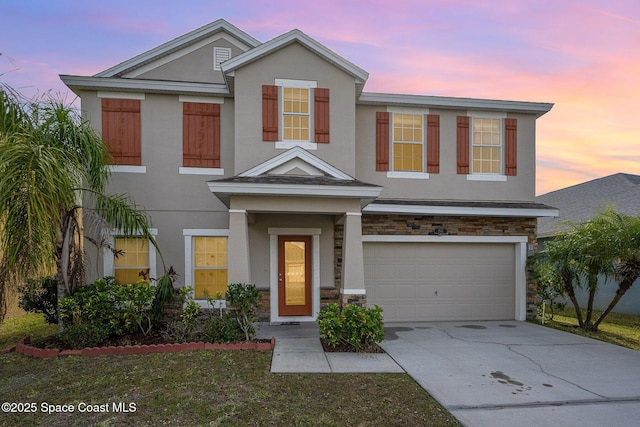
294, 36
580, 202
180, 43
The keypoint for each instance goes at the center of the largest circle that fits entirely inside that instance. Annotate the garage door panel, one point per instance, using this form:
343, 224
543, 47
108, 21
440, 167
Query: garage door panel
441, 281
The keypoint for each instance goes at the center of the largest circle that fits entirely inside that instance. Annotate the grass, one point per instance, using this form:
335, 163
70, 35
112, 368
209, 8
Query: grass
214, 388
616, 328
11, 330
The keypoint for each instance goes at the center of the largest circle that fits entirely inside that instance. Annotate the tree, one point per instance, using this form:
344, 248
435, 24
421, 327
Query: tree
607, 245
53, 173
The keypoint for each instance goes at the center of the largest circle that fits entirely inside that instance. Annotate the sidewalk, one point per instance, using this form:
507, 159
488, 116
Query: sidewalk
298, 350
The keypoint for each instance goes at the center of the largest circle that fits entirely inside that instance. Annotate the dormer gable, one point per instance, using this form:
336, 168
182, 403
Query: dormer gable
359, 75
298, 162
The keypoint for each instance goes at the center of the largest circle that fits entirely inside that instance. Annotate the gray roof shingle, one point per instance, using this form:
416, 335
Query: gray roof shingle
580, 202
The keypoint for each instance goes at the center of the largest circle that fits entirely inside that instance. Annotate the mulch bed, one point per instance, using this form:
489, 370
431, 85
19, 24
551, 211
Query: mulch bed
345, 348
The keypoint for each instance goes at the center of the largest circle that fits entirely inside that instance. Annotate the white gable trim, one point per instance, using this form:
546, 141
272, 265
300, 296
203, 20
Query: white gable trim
297, 153
244, 41
285, 39
182, 52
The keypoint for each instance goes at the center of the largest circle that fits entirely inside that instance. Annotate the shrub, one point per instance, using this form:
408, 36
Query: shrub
93, 304
222, 329
111, 308
81, 335
134, 303
353, 325
41, 296
244, 300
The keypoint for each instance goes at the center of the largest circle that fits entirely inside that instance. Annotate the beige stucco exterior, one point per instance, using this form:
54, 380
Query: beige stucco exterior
241, 198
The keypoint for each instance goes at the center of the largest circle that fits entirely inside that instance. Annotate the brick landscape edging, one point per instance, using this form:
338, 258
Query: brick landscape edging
23, 347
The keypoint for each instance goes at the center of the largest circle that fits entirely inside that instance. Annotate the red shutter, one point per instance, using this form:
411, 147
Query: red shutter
382, 141
201, 135
121, 130
321, 114
433, 143
511, 146
463, 144
269, 113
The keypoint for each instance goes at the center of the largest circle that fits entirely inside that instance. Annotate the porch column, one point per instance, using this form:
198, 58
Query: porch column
238, 256
352, 290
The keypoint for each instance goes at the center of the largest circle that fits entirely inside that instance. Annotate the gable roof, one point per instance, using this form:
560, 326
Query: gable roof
580, 202
179, 43
294, 36
325, 180
301, 154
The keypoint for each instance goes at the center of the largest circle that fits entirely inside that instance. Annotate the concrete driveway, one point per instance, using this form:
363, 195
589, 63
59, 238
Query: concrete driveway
509, 373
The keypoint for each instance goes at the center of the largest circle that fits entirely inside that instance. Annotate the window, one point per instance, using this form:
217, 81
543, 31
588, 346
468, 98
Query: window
135, 255
206, 262
487, 146
220, 54
407, 143
295, 114
201, 135
486, 153
121, 130
133, 258
210, 266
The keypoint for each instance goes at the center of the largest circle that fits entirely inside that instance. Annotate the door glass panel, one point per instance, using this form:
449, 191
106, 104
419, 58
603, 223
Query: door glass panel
294, 273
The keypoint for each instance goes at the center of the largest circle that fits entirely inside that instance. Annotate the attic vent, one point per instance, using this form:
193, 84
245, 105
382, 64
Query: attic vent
220, 54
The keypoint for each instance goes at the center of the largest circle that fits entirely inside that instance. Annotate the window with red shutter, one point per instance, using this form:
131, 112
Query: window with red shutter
270, 113
433, 143
463, 145
121, 130
321, 115
382, 141
511, 147
201, 135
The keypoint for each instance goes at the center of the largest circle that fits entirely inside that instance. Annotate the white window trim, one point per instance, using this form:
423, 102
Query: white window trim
487, 177
201, 99
315, 272
189, 234
108, 259
408, 174
120, 95
473, 176
185, 170
283, 144
127, 169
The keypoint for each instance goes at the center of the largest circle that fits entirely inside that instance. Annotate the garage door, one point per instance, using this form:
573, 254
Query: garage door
441, 281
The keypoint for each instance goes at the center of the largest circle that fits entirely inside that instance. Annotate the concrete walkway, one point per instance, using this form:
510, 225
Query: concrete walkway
298, 350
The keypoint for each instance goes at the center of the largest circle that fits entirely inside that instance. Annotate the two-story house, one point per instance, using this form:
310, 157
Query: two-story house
268, 163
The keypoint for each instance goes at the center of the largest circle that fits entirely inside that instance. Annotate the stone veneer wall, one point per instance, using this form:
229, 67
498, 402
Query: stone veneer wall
425, 225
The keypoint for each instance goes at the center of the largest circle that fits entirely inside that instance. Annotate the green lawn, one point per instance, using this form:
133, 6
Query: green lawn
620, 329
226, 388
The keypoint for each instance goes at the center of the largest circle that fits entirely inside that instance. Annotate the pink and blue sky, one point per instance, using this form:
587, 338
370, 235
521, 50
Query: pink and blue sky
582, 55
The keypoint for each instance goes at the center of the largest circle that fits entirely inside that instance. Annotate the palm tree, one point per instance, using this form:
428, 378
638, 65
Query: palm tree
607, 245
53, 172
